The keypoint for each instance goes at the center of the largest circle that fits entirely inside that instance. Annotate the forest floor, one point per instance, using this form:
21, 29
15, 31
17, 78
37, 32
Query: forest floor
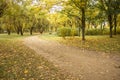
81, 63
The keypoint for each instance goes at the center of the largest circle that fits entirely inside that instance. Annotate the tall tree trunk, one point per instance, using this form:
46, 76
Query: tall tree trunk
101, 27
21, 31
115, 23
110, 23
79, 31
18, 30
31, 29
83, 24
8, 31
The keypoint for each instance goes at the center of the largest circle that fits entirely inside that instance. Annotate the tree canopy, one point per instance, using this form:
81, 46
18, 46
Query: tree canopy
49, 15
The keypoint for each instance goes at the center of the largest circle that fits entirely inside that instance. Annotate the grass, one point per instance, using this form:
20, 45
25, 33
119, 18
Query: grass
18, 62
48, 36
97, 43
14, 36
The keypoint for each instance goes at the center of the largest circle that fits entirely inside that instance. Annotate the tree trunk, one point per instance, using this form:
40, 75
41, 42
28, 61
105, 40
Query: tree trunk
21, 31
79, 32
41, 31
8, 31
101, 27
83, 24
18, 30
115, 23
31, 29
110, 24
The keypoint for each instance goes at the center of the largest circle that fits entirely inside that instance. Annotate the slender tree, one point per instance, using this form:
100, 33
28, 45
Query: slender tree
81, 5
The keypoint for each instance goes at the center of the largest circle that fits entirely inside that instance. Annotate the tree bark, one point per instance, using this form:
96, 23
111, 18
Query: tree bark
101, 28
115, 24
110, 24
83, 24
21, 31
31, 29
18, 31
8, 31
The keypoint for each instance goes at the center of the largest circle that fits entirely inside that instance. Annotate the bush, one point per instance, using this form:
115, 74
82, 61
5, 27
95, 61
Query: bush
74, 32
64, 31
67, 31
106, 31
97, 32
118, 30
93, 32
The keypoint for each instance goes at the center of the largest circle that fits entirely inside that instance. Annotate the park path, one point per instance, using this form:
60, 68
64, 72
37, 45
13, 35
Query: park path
83, 64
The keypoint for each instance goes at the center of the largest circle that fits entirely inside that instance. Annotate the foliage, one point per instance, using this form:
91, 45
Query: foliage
105, 31
64, 31
98, 31
111, 9
118, 30
47, 16
3, 6
67, 31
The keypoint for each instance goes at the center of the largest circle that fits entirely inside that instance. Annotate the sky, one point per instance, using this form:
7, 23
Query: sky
55, 8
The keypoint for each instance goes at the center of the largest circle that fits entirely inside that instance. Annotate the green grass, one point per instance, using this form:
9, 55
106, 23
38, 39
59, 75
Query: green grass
18, 62
48, 36
14, 36
97, 43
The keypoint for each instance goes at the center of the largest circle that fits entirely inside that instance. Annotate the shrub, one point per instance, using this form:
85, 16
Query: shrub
118, 30
67, 31
74, 32
97, 32
64, 31
93, 32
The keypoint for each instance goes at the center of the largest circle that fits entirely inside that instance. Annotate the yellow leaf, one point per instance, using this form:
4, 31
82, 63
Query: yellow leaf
26, 71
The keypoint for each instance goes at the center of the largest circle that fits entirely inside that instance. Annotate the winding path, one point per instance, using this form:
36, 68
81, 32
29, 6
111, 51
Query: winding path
86, 65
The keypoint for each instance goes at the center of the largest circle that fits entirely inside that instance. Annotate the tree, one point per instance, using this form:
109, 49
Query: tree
81, 5
111, 8
116, 11
3, 6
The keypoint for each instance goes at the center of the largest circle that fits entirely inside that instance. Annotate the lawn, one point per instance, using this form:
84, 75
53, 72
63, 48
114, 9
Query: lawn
13, 36
18, 62
97, 43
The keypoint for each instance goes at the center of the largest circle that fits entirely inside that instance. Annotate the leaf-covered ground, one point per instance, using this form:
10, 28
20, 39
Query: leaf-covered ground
82, 64
18, 62
96, 43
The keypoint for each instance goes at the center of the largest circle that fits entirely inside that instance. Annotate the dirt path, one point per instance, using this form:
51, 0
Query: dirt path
87, 65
